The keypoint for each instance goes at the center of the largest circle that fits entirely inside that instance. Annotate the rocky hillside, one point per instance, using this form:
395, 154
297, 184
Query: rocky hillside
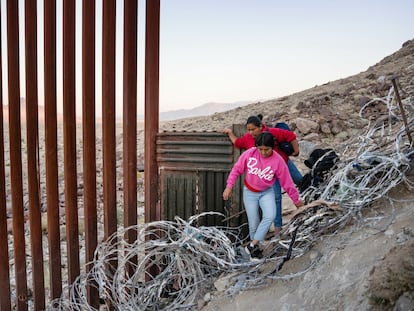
326, 115
369, 264
334, 106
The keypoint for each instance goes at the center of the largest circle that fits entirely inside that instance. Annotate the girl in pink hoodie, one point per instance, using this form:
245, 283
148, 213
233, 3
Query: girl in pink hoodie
263, 166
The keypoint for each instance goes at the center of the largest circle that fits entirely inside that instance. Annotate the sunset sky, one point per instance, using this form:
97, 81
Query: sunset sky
236, 50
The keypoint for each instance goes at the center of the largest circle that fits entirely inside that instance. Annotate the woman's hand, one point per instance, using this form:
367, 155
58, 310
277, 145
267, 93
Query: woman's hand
230, 133
226, 193
295, 145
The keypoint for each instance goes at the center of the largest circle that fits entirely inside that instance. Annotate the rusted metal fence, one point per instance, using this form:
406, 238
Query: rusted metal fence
37, 259
39, 268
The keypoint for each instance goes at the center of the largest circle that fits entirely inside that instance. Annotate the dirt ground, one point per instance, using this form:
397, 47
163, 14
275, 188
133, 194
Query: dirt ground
368, 265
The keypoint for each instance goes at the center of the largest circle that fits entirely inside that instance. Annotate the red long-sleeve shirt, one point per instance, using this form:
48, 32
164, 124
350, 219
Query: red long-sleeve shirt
247, 141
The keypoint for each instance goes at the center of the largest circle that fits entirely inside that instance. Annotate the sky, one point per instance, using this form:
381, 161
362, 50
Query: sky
226, 51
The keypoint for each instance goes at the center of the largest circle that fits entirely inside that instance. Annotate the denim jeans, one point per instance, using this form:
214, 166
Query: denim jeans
294, 172
266, 200
297, 178
278, 200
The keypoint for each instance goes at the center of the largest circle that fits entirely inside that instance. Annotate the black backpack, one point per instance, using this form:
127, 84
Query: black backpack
320, 161
282, 125
286, 147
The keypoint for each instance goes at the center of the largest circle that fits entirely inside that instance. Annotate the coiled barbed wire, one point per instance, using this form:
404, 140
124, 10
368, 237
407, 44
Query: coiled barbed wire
187, 259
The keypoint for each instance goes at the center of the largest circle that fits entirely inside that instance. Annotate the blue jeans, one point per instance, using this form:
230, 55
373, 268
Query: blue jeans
266, 201
297, 178
278, 200
294, 172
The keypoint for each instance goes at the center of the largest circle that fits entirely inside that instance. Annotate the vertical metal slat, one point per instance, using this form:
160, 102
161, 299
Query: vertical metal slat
69, 139
5, 301
15, 154
89, 137
108, 113
152, 37
52, 190
179, 192
130, 119
171, 201
220, 184
202, 192
32, 154
189, 194
210, 187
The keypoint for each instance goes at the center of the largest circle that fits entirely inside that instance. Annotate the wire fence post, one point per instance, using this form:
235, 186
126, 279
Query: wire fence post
397, 96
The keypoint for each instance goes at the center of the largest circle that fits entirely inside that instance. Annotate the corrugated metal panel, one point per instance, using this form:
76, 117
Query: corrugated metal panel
193, 171
194, 150
178, 194
212, 185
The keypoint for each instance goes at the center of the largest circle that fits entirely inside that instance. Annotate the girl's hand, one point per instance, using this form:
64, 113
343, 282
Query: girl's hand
299, 204
226, 193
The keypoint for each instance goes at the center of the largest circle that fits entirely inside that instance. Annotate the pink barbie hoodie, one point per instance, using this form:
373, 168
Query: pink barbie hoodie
262, 172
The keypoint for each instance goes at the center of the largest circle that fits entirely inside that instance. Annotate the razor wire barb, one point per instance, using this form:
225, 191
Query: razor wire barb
191, 258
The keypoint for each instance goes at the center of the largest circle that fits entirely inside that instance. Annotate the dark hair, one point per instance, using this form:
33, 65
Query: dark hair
265, 139
256, 120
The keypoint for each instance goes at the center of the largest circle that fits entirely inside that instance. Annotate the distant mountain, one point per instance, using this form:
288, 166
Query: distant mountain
40, 109
200, 111
203, 110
